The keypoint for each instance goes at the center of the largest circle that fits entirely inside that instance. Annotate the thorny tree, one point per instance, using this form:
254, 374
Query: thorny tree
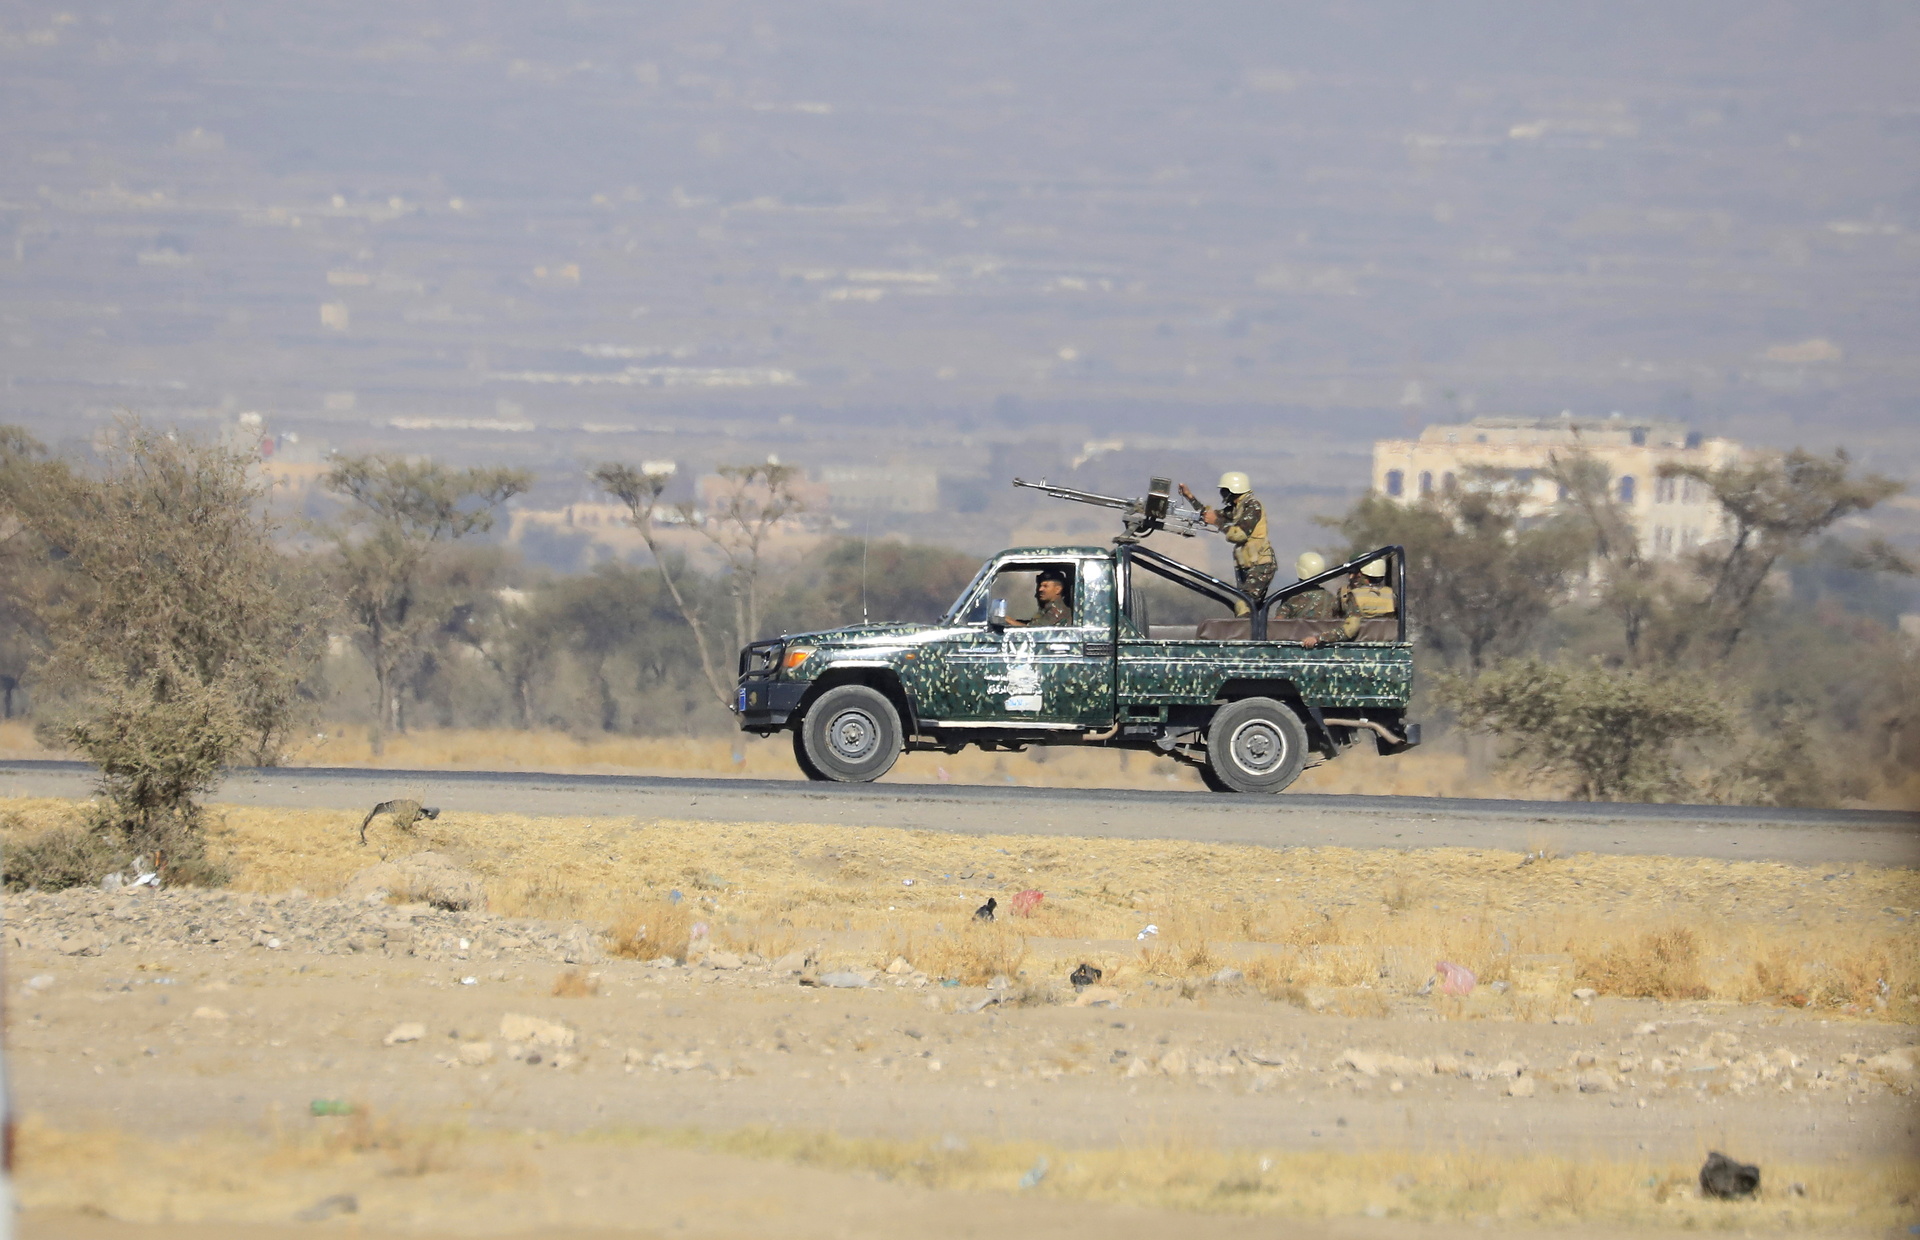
405, 513
1773, 506
755, 500
184, 635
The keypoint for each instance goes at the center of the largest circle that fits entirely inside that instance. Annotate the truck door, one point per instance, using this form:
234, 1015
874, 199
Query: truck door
1057, 675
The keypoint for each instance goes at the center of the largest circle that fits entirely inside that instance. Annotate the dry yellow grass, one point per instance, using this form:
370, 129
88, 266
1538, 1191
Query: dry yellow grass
466, 1177
1759, 931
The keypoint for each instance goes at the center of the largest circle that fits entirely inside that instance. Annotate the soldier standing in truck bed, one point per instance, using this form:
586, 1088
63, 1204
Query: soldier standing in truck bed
1244, 522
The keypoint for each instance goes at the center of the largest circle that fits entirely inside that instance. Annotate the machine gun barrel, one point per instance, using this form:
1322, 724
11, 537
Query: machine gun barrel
1082, 497
1146, 515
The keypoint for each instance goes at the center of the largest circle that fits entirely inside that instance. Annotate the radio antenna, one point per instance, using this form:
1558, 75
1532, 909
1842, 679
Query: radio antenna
866, 539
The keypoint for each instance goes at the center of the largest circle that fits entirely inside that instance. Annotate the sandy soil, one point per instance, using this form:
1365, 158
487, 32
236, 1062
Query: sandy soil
170, 1064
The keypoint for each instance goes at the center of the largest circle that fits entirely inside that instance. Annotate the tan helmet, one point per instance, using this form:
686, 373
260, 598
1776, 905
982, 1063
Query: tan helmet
1233, 482
1374, 568
1310, 564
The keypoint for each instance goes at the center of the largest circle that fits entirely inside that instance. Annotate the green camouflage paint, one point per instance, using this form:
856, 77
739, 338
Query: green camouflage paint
1085, 675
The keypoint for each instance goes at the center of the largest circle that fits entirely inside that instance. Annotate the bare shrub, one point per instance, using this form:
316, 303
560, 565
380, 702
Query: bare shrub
973, 956
651, 930
1657, 964
575, 984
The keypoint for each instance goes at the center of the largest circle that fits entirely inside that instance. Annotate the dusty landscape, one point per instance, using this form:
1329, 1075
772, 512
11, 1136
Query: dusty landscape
729, 1029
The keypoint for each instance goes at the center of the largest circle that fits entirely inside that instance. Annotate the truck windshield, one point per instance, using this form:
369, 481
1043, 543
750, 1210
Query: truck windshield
956, 614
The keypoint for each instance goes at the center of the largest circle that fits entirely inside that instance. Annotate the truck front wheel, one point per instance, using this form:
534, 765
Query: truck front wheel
801, 759
1256, 745
850, 735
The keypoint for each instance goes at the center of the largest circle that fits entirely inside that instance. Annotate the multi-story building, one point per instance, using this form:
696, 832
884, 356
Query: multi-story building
1671, 515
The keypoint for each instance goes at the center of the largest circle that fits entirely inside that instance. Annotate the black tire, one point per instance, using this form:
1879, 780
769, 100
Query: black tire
805, 763
1256, 745
851, 735
1212, 781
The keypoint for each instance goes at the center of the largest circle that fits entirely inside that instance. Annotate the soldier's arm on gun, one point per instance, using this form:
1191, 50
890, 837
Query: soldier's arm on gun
1210, 516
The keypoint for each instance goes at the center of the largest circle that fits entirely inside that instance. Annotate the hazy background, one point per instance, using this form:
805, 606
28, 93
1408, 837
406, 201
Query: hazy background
945, 244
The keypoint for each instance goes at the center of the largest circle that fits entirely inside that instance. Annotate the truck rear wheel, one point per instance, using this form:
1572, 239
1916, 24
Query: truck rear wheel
1256, 745
850, 735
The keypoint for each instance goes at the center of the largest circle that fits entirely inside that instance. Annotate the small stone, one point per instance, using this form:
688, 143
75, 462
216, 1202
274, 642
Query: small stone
406, 1031
1138, 1068
723, 960
843, 980
208, 1013
1596, 1081
1586, 994
1508, 1068
474, 1054
516, 1028
900, 967
1174, 1062
1520, 1087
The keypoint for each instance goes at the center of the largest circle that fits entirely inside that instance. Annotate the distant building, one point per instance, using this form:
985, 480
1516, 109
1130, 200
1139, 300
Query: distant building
1672, 515
889, 488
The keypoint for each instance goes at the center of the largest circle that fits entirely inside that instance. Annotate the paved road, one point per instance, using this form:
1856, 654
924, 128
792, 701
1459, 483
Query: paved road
1803, 837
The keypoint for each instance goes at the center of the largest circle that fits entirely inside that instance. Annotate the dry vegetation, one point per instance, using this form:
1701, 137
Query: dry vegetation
468, 1177
1670, 928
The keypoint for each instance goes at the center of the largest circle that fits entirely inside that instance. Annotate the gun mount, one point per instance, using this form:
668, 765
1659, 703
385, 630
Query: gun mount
1138, 517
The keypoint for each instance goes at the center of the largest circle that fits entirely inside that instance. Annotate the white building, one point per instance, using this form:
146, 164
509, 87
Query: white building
1672, 515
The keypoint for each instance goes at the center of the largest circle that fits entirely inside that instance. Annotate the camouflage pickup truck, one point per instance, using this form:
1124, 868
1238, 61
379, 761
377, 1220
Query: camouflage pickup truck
1229, 688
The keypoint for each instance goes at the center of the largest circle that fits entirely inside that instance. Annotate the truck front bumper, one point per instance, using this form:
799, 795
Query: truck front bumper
766, 705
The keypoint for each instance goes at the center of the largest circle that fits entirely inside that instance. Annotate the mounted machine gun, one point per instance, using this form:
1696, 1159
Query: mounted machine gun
1139, 517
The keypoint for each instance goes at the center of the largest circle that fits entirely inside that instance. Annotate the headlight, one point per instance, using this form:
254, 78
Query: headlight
795, 657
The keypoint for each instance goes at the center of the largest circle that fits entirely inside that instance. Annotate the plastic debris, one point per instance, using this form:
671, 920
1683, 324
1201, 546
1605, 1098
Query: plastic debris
1728, 1180
1147, 932
1035, 1173
331, 1106
1455, 979
1026, 902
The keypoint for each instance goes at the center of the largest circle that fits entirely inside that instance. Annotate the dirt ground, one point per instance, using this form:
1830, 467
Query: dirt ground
800, 1042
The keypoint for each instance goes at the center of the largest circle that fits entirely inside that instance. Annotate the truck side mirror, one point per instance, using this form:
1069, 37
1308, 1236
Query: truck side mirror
997, 615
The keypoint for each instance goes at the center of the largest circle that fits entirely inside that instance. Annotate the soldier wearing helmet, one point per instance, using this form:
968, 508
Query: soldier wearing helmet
1244, 522
1366, 596
1312, 603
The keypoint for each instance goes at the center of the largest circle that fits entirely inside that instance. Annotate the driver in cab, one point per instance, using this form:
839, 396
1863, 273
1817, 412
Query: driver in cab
1055, 608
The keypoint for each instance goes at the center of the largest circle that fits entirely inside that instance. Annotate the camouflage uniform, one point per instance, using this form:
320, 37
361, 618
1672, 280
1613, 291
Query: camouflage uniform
1314, 604
1352, 613
1057, 613
1245, 525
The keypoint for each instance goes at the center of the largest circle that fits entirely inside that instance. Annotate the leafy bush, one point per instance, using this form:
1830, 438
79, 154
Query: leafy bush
53, 860
1610, 734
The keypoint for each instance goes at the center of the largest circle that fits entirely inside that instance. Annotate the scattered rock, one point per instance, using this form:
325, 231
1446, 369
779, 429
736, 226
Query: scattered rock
1174, 1062
1139, 1067
1520, 1087
208, 1013
1897, 1067
1728, 1180
1586, 994
407, 1031
1098, 996
1596, 1081
533, 1031
842, 980
475, 1054
723, 960
900, 967
327, 1207
419, 878
1229, 977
